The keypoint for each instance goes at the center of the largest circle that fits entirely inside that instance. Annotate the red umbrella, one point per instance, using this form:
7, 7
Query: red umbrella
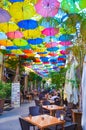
47, 8
51, 44
52, 54
50, 31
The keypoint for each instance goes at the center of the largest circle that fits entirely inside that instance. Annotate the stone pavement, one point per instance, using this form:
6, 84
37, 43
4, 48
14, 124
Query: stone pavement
9, 120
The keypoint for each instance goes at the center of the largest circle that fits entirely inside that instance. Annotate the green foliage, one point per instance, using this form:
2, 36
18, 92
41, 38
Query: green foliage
58, 78
5, 90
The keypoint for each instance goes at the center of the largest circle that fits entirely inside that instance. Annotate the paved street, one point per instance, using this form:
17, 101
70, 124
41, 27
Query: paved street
9, 119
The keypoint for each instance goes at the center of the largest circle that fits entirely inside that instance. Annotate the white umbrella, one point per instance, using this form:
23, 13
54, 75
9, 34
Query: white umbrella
83, 84
70, 88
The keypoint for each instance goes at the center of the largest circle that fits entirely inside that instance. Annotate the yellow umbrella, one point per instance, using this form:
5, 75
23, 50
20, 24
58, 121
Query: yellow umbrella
22, 10
32, 33
38, 49
8, 27
17, 52
6, 43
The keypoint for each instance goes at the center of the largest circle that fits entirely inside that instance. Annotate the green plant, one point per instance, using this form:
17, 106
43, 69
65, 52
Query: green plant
2, 90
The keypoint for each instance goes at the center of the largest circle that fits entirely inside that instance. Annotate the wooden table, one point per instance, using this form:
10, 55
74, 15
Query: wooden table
52, 108
44, 121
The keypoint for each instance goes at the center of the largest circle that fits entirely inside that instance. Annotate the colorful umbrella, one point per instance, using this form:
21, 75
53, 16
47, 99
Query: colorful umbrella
4, 16
11, 47
32, 33
2, 36
50, 31
65, 43
47, 8
17, 52
8, 27
16, 34
28, 24
20, 42
35, 41
50, 39
51, 44
24, 10
65, 37
16, 1
52, 49
6, 43
53, 54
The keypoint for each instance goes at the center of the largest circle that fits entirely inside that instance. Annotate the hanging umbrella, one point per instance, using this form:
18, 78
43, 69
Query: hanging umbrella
82, 4
13, 35
64, 52
11, 47
51, 44
28, 24
65, 43
16, 1
83, 96
2, 36
8, 27
35, 41
50, 31
47, 8
32, 33
65, 37
4, 16
24, 10
48, 22
44, 59
6, 43
52, 49
20, 42
53, 54
38, 49
17, 52
50, 39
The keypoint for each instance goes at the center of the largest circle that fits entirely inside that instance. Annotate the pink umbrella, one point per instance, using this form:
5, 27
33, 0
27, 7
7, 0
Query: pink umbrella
50, 31
66, 43
4, 16
47, 8
63, 52
51, 44
16, 34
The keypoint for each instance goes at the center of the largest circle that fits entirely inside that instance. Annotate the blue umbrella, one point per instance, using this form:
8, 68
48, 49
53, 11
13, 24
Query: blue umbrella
50, 39
44, 59
35, 41
42, 52
24, 47
2, 36
28, 24
52, 49
11, 47
16, 1
65, 37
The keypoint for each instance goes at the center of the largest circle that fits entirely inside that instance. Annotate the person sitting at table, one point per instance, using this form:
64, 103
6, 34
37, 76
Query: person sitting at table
53, 97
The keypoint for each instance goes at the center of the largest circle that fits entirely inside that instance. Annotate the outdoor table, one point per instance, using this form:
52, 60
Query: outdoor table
52, 108
44, 121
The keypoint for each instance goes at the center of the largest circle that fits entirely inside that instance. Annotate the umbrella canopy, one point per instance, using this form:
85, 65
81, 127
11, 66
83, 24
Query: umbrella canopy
65, 37
47, 8
32, 33
35, 41
2, 36
51, 44
6, 43
4, 16
20, 42
66, 43
52, 49
50, 39
23, 10
16, 34
8, 27
16, 1
53, 54
28, 24
50, 31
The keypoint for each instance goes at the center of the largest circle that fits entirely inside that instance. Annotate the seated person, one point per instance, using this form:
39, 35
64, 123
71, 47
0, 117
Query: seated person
54, 97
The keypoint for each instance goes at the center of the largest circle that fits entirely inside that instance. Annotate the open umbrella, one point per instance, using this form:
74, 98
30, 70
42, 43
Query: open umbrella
50, 31
52, 49
16, 1
2, 36
28, 24
24, 10
50, 39
16, 34
4, 16
65, 43
20, 42
6, 42
47, 8
8, 27
51, 44
65, 37
35, 41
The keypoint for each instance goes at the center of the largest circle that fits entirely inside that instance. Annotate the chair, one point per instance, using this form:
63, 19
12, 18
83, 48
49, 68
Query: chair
37, 102
24, 124
34, 110
45, 102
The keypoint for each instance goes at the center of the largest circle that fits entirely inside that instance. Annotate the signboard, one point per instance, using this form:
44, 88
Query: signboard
15, 96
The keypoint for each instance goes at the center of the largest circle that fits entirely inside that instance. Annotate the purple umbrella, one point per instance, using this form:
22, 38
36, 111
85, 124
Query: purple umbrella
4, 16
